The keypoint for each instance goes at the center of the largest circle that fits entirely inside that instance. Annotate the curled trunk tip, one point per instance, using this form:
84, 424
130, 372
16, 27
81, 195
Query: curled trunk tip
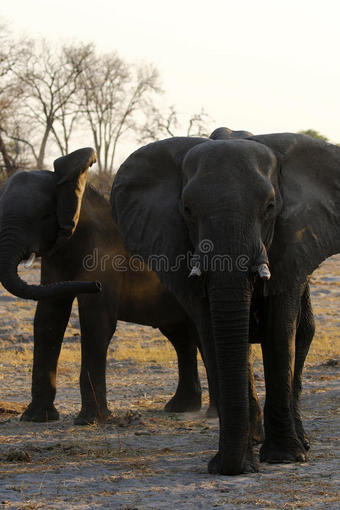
15, 285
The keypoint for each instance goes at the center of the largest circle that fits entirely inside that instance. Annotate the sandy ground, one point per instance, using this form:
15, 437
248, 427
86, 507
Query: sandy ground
146, 459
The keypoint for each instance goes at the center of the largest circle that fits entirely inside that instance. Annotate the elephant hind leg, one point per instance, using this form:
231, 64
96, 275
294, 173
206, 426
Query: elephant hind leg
188, 393
98, 323
212, 411
255, 410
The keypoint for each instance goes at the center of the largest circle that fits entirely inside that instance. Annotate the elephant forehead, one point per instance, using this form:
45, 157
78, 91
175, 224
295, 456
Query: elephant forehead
222, 155
34, 180
28, 191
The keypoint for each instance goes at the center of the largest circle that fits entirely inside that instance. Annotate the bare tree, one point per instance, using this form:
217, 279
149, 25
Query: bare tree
64, 126
198, 123
10, 93
114, 96
49, 79
69, 116
160, 124
51, 94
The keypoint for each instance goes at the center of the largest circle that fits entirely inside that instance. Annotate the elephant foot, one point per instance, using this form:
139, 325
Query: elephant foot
90, 416
301, 434
183, 403
251, 464
38, 413
217, 467
306, 442
282, 452
212, 411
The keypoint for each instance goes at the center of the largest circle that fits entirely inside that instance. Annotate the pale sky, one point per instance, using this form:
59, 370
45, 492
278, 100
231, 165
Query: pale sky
262, 66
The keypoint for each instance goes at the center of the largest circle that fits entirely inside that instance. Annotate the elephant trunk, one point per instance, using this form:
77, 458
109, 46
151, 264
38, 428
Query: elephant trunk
11, 256
229, 308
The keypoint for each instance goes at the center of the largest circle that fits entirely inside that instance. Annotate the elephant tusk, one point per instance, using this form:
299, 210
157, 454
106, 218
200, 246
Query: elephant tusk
30, 261
195, 272
263, 271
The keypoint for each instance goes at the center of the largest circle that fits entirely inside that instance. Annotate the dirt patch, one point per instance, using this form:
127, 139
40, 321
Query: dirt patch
143, 458
10, 409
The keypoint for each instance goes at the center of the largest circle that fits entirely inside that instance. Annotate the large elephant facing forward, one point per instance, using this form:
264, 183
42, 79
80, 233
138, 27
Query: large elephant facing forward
238, 206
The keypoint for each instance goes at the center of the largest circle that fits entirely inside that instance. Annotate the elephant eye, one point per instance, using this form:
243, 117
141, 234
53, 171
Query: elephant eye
269, 209
187, 210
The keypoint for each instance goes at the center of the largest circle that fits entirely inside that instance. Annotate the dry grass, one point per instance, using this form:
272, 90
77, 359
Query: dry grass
324, 347
17, 357
160, 351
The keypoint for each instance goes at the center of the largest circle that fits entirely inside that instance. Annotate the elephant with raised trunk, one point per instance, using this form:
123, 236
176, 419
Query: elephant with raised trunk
269, 215
69, 224
19, 238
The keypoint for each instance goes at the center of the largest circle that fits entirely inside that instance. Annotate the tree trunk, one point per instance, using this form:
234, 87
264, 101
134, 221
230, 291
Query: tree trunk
5, 156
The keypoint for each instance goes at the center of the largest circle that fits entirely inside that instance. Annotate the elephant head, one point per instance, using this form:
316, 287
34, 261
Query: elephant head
39, 211
233, 206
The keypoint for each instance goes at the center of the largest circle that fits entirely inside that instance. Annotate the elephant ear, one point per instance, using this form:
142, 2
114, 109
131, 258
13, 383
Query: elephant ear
145, 203
71, 174
307, 228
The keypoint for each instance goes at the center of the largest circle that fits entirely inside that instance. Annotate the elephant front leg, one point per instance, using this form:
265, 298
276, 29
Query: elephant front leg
188, 394
304, 337
97, 327
50, 322
281, 444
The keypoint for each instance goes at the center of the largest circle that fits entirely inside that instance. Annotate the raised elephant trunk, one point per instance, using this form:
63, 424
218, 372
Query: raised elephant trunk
229, 308
11, 256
